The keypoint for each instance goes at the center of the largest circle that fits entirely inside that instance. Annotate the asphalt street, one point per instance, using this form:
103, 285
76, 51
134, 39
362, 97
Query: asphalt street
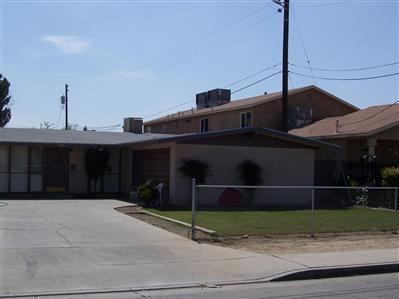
382, 286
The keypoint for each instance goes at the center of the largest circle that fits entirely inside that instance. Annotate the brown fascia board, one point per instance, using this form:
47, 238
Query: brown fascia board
271, 99
263, 131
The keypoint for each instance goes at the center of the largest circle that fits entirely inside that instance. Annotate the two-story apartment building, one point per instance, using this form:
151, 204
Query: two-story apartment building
215, 111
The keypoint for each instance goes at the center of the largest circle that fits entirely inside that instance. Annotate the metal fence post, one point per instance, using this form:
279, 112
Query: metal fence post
396, 199
312, 230
193, 208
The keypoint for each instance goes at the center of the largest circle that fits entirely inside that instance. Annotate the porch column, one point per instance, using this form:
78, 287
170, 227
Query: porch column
371, 143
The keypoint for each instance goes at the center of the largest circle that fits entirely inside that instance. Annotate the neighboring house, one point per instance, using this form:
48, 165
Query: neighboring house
369, 138
34, 161
216, 112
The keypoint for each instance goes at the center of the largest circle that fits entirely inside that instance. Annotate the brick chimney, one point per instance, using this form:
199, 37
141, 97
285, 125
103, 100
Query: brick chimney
133, 125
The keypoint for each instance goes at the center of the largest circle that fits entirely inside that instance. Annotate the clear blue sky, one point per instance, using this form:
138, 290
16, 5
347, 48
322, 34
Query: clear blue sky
102, 49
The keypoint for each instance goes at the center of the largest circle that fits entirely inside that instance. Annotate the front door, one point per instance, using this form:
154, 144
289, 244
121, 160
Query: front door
57, 170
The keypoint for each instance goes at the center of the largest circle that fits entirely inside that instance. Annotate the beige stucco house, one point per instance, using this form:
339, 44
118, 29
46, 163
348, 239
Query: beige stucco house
37, 162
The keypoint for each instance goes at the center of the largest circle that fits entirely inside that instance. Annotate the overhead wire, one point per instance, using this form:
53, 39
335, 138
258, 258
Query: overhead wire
252, 75
59, 117
215, 44
303, 45
347, 79
292, 82
179, 50
369, 117
214, 33
225, 86
346, 70
256, 82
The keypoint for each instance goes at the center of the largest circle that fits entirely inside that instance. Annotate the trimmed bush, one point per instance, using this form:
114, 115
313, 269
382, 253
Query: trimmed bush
390, 176
194, 168
250, 173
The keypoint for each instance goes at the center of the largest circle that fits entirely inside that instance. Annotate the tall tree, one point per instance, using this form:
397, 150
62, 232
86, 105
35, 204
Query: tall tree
5, 111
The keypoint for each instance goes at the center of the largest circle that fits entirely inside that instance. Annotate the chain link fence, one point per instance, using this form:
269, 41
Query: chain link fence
263, 210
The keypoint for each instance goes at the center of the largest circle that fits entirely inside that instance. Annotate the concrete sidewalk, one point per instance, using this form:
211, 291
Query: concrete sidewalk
82, 247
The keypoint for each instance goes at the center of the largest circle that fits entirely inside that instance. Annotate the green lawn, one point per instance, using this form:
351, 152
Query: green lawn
288, 222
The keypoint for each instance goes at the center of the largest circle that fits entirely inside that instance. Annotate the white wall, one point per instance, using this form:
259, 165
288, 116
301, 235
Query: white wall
281, 166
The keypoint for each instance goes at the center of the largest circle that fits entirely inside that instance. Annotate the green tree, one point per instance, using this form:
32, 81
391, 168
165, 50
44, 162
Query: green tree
5, 111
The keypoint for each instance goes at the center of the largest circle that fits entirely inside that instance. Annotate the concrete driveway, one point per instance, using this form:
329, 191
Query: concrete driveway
64, 246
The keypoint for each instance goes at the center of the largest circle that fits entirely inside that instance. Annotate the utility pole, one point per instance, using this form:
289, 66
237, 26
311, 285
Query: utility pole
285, 64
286, 7
66, 106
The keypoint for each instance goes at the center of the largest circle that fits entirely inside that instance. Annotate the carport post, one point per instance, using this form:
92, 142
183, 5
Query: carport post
193, 203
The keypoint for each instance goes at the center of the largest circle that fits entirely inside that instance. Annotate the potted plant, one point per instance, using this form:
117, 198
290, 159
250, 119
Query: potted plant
147, 193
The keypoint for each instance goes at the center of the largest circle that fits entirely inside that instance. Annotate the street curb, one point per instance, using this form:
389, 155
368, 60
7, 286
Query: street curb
199, 228
313, 273
342, 271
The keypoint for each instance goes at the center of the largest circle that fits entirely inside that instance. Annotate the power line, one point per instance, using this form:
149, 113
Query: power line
347, 70
347, 79
369, 117
168, 109
252, 75
195, 43
249, 85
206, 37
59, 116
303, 45
215, 44
292, 82
256, 82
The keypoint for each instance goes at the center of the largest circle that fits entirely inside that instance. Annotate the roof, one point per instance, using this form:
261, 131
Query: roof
72, 137
260, 131
91, 138
239, 104
360, 123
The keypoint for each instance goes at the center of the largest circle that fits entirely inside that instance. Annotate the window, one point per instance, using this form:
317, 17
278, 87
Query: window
246, 119
204, 125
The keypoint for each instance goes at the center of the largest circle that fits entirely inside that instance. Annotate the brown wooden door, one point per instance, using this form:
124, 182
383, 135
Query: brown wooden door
152, 165
56, 169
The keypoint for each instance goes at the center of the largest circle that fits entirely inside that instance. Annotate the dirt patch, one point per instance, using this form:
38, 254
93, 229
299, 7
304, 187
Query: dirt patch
137, 212
320, 243
276, 243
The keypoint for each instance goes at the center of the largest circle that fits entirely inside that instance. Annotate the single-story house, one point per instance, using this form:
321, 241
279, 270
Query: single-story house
41, 161
369, 139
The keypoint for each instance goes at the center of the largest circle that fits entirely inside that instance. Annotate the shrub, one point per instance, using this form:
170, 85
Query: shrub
390, 176
250, 173
194, 168
146, 193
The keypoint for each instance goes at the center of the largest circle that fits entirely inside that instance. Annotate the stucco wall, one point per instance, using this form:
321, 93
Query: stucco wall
281, 166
